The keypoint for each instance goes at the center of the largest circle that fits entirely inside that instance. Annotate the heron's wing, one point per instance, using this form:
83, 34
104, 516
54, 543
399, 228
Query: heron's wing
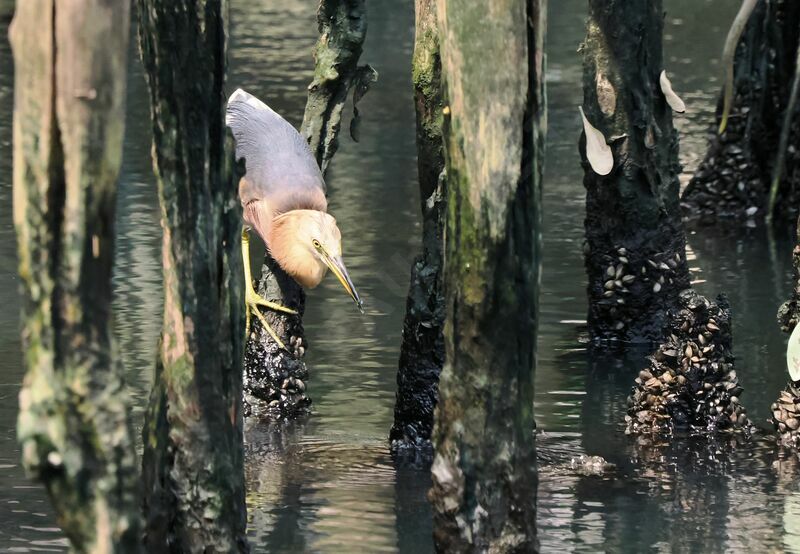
280, 169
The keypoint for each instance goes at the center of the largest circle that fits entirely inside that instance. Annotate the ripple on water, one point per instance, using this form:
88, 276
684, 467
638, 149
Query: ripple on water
339, 495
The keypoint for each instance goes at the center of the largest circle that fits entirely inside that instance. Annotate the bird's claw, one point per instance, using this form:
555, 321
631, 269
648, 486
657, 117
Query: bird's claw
253, 300
252, 303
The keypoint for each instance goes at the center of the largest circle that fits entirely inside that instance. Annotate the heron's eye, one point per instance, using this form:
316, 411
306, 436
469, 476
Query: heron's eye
316, 244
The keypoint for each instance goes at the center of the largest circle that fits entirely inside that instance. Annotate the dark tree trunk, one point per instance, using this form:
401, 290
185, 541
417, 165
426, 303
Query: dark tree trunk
733, 180
639, 284
786, 410
274, 378
484, 468
70, 62
789, 312
422, 351
634, 254
342, 29
193, 462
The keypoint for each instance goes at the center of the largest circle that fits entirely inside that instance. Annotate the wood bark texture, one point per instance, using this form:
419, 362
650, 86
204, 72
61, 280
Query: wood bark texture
484, 475
422, 350
70, 63
275, 379
193, 462
635, 250
342, 29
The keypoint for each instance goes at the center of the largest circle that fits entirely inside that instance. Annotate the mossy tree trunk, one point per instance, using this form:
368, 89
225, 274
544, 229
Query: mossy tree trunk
274, 378
422, 350
634, 255
733, 180
193, 463
70, 63
484, 472
342, 29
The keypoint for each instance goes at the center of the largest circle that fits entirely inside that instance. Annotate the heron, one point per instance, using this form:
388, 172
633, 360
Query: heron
283, 201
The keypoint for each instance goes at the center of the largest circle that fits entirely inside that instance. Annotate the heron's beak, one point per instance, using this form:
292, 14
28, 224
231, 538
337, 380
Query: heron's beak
336, 265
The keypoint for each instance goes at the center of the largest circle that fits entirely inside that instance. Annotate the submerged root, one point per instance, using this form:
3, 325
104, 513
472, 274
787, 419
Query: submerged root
690, 384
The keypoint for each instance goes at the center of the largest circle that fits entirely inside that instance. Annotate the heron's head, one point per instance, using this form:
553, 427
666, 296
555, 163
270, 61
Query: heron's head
307, 243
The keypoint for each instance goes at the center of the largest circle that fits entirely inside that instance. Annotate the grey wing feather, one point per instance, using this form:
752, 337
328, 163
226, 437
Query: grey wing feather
279, 165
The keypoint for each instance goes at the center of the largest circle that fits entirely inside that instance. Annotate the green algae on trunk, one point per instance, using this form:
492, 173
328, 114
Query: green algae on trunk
484, 473
634, 251
342, 29
193, 461
70, 64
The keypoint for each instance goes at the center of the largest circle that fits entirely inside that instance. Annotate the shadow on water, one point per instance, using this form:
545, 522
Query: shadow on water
328, 483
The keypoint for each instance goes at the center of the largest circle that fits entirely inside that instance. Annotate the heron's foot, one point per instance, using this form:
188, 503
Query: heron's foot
253, 303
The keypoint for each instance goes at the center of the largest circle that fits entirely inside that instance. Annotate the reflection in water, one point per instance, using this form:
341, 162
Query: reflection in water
328, 484
137, 280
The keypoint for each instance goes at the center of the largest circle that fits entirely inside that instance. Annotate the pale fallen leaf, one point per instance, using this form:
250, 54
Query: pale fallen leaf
673, 99
597, 151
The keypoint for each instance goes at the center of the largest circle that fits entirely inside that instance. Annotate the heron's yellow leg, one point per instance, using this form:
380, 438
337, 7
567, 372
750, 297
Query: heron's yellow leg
251, 298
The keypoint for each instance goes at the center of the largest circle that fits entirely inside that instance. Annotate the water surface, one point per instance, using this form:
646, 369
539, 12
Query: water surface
328, 484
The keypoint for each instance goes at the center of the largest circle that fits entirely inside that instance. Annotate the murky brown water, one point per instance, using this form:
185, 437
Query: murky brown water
328, 484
